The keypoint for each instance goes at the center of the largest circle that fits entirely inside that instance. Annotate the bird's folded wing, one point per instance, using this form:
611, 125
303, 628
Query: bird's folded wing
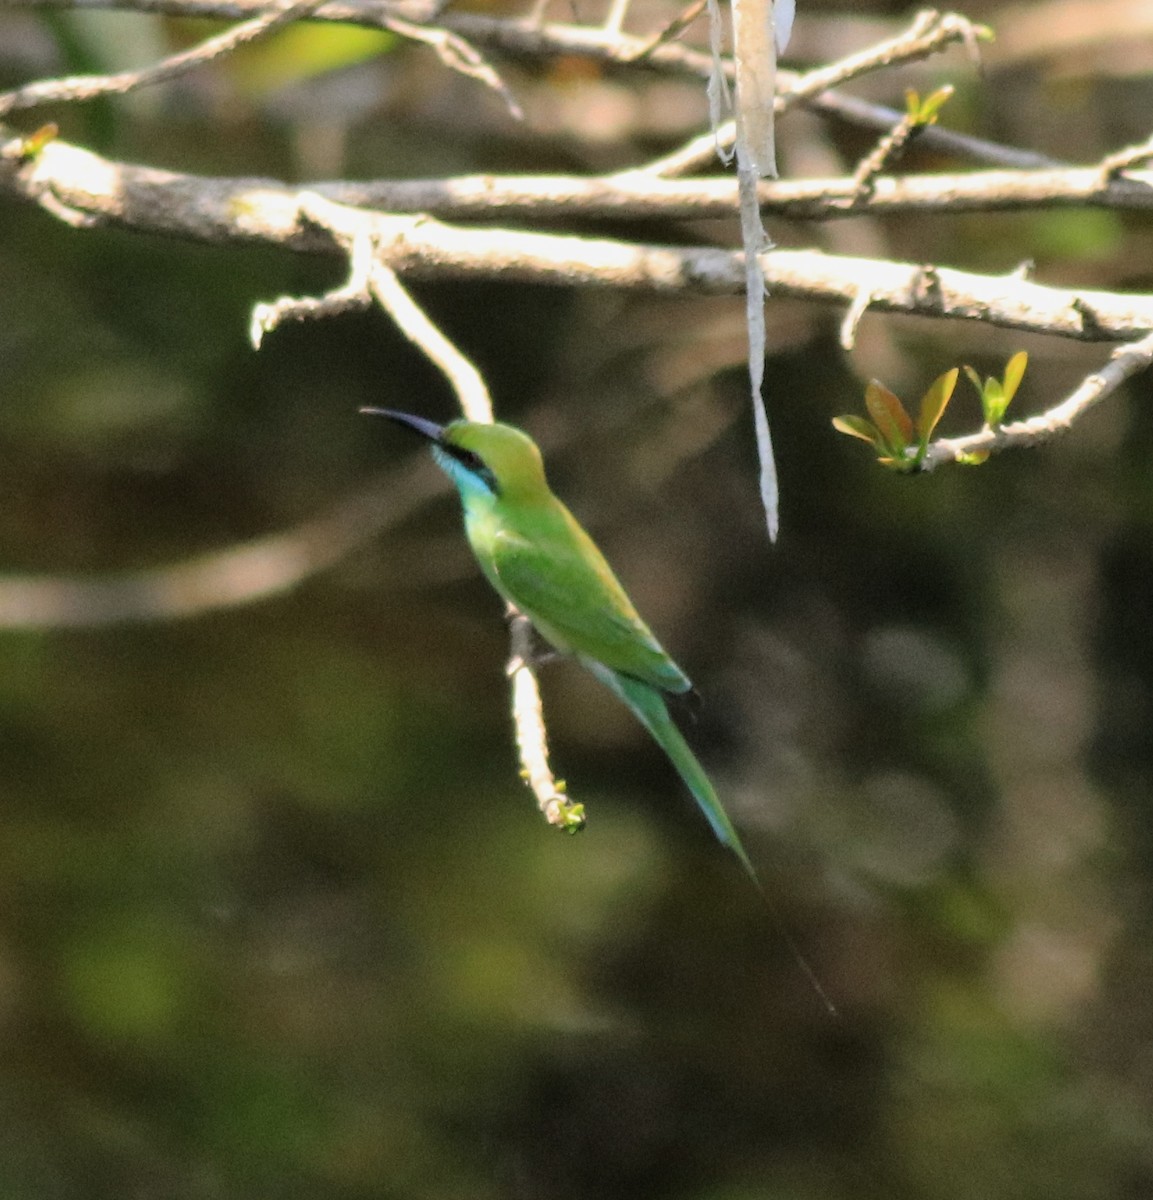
582, 609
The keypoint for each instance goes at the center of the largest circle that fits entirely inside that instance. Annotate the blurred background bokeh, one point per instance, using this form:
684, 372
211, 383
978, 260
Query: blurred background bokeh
277, 917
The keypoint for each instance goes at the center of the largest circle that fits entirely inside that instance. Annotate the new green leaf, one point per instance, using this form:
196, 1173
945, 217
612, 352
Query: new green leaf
933, 404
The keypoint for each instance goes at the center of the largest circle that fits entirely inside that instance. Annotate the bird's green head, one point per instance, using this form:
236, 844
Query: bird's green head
485, 461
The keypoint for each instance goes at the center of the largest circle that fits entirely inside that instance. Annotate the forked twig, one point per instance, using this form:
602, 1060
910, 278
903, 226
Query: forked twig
671, 31
929, 34
887, 151
88, 87
371, 278
458, 55
1119, 162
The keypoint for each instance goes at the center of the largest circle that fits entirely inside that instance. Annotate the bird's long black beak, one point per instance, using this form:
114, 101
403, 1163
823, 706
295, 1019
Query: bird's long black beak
426, 429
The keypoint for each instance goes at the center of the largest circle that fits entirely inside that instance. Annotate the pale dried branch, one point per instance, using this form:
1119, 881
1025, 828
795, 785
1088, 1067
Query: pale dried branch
459, 55
471, 391
1114, 164
224, 211
528, 38
104, 190
615, 18
1125, 362
929, 34
531, 732
248, 573
671, 31
853, 316
352, 295
370, 278
633, 195
88, 87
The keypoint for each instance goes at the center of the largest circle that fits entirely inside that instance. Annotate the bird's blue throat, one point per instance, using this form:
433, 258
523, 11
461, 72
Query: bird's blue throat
467, 470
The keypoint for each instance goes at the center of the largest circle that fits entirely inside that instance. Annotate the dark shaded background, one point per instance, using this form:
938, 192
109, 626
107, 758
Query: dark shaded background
278, 920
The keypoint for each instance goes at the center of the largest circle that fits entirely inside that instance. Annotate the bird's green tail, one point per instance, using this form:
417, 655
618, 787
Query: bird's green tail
651, 709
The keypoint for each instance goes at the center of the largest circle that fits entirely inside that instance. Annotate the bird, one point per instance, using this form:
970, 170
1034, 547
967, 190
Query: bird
538, 557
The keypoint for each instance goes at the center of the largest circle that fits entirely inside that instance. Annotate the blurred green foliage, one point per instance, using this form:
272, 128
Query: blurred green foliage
277, 917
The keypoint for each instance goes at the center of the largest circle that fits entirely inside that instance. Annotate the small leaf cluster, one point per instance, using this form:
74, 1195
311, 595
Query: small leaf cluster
31, 145
902, 443
996, 393
919, 113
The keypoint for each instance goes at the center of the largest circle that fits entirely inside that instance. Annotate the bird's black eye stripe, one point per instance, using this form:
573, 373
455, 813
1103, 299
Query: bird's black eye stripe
469, 459
473, 462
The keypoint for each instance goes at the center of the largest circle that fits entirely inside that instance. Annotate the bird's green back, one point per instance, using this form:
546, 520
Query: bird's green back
537, 555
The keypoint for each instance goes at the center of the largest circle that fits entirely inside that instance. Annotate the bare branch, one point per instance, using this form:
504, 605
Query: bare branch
458, 55
88, 87
60, 171
853, 316
471, 390
672, 30
264, 211
637, 196
1114, 164
929, 34
370, 278
529, 38
531, 733
245, 574
615, 20
353, 295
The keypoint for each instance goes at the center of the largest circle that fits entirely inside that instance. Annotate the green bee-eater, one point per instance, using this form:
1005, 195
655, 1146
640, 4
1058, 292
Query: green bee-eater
537, 556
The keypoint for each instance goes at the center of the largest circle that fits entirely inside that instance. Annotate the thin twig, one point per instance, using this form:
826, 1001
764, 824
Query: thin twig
459, 55
248, 573
471, 390
353, 295
531, 732
615, 18
888, 150
1125, 362
369, 277
853, 317
929, 34
529, 38
672, 30
1114, 164
88, 87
